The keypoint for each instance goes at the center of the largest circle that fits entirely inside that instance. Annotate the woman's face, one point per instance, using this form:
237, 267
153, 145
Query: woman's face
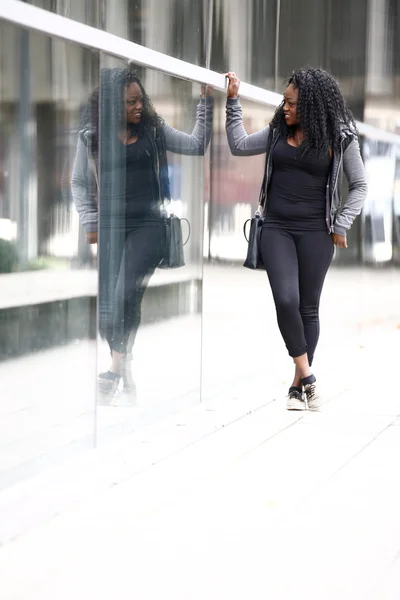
290, 105
133, 103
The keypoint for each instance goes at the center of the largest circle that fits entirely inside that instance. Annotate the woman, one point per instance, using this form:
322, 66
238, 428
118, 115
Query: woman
130, 188
310, 141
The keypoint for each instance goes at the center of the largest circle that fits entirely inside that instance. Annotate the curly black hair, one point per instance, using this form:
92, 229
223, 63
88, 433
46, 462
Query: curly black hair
321, 111
112, 85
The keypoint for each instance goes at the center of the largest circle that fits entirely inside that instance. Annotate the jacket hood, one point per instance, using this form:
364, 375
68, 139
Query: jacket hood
346, 131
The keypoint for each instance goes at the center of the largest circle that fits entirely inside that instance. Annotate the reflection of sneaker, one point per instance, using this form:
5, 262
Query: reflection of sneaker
295, 399
125, 368
128, 396
125, 398
107, 385
310, 389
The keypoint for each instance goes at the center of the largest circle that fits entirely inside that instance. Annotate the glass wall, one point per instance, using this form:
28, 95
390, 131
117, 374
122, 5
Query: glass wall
151, 313
100, 162
48, 276
235, 183
79, 276
264, 41
177, 28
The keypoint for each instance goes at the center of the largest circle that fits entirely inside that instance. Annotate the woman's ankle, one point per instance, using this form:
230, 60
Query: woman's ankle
309, 380
297, 378
302, 369
117, 359
296, 383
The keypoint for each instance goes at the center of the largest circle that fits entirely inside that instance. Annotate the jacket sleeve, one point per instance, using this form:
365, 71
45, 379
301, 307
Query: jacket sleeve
80, 187
356, 176
196, 143
240, 143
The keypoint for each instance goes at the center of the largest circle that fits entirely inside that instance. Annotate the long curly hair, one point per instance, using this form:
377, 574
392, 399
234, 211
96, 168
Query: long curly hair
321, 111
112, 85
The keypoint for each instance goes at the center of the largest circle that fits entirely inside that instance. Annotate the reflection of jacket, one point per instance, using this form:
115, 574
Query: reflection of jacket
84, 185
347, 160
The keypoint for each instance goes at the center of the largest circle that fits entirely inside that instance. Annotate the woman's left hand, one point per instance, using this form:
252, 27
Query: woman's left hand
232, 90
339, 240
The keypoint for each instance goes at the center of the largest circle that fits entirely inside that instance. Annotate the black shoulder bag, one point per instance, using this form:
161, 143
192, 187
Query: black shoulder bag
173, 256
253, 258
173, 253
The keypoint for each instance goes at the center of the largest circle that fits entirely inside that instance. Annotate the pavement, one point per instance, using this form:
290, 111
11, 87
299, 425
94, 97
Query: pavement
234, 497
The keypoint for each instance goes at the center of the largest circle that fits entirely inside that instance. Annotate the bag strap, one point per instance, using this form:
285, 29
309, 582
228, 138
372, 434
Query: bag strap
262, 197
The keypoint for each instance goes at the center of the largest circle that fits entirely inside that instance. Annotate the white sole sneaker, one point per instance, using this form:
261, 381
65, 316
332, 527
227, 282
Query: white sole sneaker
313, 400
293, 402
315, 405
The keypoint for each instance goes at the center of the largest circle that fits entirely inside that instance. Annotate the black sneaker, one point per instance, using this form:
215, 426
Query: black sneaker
295, 399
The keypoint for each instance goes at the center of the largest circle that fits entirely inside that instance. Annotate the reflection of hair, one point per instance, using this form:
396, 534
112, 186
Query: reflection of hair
117, 80
321, 110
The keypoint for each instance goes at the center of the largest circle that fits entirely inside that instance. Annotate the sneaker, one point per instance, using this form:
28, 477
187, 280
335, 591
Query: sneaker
295, 399
310, 390
107, 387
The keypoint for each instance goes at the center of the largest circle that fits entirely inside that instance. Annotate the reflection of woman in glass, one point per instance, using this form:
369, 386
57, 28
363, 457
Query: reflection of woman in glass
123, 133
309, 143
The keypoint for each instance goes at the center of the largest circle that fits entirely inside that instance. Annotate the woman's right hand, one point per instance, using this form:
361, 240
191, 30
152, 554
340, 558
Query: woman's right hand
233, 85
91, 237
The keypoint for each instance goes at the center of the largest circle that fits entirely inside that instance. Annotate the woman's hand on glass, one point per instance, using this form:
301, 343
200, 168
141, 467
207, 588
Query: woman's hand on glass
339, 240
233, 85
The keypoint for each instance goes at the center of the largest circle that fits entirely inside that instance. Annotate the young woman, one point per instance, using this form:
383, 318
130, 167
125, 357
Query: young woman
123, 129
310, 141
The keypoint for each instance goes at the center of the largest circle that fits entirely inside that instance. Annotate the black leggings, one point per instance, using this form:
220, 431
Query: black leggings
141, 253
296, 263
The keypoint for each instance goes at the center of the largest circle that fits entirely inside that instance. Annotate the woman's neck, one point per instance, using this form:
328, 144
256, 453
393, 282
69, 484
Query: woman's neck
129, 134
297, 136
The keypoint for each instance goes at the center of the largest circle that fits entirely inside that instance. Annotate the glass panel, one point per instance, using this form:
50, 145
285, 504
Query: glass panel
149, 317
178, 28
377, 217
337, 43
235, 182
396, 210
43, 249
48, 278
88, 12
382, 102
230, 308
358, 45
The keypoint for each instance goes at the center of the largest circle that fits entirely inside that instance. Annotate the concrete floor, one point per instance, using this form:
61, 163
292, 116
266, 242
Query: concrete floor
235, 497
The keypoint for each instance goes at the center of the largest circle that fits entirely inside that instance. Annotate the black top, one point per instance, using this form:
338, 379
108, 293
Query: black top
129, 185
297, 192
141, 189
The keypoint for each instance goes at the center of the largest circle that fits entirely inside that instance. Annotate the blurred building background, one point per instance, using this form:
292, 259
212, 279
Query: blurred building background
48, 279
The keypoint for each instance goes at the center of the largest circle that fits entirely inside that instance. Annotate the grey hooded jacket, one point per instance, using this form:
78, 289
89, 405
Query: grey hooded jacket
339, 218
84, 180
